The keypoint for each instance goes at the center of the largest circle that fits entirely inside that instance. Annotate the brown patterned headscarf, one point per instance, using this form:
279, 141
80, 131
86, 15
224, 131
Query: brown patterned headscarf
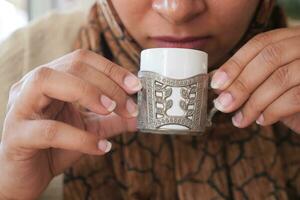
229, 163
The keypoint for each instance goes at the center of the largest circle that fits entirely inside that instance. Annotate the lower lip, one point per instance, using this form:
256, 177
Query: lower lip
195, 44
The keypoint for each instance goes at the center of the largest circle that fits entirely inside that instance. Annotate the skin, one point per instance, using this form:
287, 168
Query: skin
224, 22
41, 140
262, 81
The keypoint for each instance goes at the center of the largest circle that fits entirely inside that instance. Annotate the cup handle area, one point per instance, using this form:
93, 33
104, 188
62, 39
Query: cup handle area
210, 116
212, 112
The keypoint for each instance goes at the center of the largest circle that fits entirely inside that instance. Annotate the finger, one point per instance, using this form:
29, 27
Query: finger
257, 71
44, 134
227, 73
125, 79
286, 105
292, 122
105, 126
276, 85
47, 84
210, 75
106, 85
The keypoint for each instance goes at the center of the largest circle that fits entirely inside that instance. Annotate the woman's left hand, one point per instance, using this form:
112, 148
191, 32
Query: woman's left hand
262, 81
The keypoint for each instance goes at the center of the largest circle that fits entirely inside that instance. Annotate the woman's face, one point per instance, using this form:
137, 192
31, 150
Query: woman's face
213, 26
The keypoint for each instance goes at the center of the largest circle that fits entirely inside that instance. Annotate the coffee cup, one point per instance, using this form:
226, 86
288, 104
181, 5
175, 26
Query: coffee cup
175, 91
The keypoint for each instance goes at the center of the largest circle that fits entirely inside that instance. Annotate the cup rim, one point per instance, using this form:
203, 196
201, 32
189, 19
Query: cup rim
202, 53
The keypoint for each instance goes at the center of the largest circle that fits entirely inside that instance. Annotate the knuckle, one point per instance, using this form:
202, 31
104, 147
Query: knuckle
272, 54
50, 131
261, 40
235, 64
77, 68
80, 54
241, 85
41, 74
281, 77
110, 69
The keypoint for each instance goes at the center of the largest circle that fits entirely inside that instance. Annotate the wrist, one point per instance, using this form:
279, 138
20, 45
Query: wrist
8, 187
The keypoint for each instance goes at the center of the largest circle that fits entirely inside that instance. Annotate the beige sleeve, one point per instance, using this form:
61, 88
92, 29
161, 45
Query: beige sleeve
11, 67
42, 41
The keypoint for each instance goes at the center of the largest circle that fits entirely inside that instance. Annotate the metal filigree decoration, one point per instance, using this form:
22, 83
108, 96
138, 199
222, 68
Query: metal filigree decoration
162, 105
189, 99
155, 99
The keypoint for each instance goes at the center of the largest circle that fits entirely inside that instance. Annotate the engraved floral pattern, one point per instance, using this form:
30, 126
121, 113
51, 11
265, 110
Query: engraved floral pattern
158, 89
162, 103
188, 103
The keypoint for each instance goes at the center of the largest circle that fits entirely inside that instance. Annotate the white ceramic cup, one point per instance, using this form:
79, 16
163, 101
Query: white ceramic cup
165, 73
174, 63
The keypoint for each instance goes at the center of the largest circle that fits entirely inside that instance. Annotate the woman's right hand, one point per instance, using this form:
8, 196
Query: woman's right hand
46, 130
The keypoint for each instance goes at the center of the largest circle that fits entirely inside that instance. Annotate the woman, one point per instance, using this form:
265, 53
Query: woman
64, 110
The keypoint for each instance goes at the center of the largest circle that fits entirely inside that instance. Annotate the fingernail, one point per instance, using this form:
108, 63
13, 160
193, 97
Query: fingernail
237, 119
223, 101
133, 83
104, 146
260, 120
219, 79
109, 104
132, 108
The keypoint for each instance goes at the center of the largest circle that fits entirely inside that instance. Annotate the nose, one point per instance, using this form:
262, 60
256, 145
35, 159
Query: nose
179, 11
